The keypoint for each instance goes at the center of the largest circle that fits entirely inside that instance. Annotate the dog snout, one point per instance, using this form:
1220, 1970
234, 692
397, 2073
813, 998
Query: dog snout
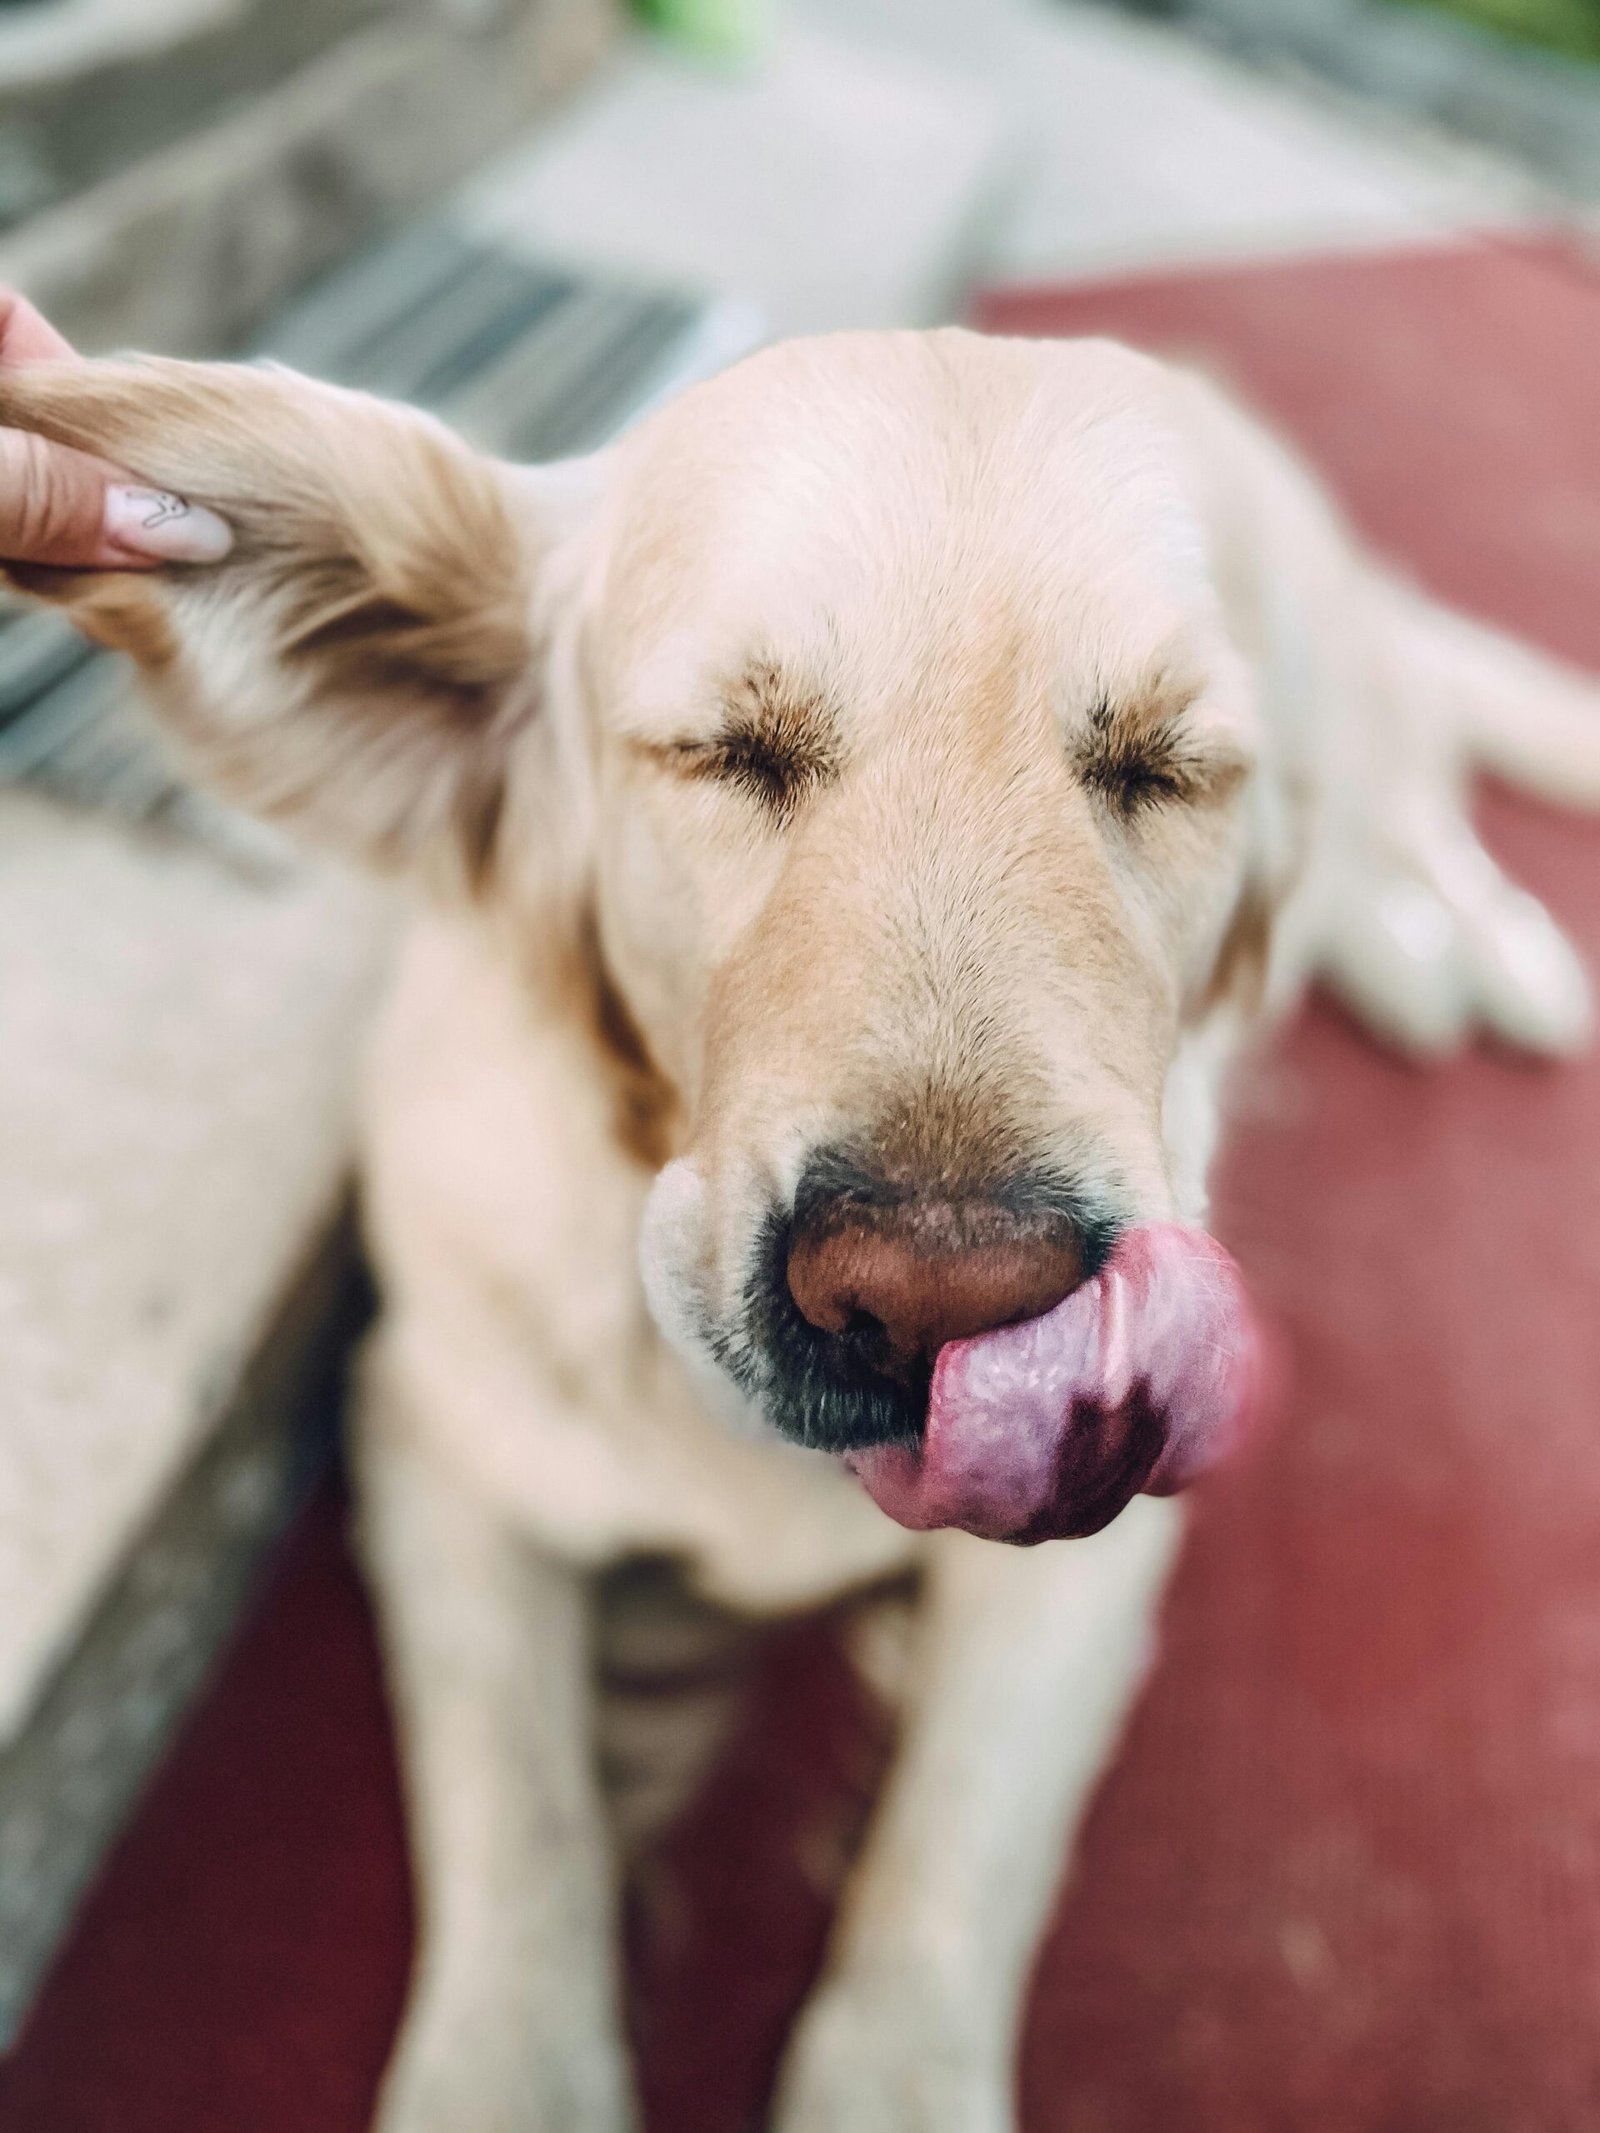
894, 1282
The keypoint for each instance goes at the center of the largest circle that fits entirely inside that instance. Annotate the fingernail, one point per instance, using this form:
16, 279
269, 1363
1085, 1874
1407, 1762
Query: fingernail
154, 522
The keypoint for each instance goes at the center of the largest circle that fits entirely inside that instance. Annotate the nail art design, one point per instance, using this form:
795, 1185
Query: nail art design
164, 527
164, 507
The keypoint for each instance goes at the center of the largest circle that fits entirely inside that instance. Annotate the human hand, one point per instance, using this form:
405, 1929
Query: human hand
67, 509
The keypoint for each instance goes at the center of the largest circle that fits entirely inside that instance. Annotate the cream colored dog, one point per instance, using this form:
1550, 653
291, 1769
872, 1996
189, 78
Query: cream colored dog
862, 814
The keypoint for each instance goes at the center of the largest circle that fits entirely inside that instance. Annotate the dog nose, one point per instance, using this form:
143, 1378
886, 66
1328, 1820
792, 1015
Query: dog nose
897, 1282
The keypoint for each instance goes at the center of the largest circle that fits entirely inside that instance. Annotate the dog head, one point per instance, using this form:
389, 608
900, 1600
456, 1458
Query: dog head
874, 713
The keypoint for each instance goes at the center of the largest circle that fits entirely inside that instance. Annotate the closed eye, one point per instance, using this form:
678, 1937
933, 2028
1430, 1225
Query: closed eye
1136, 764
778, 777
777, 774
776, 745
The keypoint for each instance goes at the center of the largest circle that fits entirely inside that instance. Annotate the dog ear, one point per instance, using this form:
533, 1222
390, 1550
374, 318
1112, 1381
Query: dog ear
363, 662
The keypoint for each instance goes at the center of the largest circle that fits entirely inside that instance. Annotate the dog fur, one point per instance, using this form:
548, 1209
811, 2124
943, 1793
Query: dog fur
942, 750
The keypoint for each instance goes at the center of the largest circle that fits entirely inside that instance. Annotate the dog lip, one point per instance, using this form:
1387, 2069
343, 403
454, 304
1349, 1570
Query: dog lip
1139, 1381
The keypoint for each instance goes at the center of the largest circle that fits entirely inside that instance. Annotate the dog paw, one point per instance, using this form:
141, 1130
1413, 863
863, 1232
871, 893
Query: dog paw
890, 2063
1528, 982
461, 2083
1428, 957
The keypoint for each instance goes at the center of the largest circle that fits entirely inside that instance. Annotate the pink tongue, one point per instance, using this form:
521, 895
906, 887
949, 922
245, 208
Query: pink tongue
1041, 1431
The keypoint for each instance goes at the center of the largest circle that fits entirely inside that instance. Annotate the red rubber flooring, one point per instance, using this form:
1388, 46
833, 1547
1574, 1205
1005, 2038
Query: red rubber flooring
1346, 1875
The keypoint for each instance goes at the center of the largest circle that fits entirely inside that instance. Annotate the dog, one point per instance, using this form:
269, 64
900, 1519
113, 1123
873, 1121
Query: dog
858, 818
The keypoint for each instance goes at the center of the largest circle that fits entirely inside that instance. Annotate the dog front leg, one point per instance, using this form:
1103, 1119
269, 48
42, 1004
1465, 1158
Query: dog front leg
1029, 1663
513, 2023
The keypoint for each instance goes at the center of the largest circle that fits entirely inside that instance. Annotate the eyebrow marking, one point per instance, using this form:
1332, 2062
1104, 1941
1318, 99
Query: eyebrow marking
777, 742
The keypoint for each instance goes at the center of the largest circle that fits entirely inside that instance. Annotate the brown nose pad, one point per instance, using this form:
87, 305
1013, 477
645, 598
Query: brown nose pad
898, 1283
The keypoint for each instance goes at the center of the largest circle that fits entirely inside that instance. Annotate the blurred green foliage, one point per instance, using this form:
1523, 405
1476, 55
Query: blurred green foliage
721, 29
1569, 26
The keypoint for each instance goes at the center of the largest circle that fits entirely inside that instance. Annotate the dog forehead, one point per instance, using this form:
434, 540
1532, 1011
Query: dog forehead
865, 493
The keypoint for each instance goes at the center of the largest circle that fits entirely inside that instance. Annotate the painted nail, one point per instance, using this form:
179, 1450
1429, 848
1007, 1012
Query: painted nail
155, 523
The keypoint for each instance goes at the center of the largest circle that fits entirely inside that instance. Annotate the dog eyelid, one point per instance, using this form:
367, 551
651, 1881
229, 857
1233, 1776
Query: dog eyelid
741, 756
1136, 762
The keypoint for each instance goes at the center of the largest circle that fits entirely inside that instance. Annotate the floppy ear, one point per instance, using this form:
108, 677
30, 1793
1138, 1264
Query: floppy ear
362, 663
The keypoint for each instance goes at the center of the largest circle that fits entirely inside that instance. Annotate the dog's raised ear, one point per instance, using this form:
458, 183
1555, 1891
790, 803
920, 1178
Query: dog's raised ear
363, 662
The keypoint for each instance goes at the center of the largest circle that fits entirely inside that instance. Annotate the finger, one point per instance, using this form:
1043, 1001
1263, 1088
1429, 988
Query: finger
25, 337
64, 508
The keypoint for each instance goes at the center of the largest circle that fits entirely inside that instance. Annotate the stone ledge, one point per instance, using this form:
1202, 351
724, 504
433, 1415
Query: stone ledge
1533, 105
105, 1715
166, 1018
179, 1036
193, 250
88, 87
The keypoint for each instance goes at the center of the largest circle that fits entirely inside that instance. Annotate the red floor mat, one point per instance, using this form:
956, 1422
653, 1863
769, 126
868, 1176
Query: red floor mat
1346, 1876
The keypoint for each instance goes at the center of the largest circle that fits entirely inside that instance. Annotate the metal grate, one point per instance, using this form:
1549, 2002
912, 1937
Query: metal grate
528, 359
